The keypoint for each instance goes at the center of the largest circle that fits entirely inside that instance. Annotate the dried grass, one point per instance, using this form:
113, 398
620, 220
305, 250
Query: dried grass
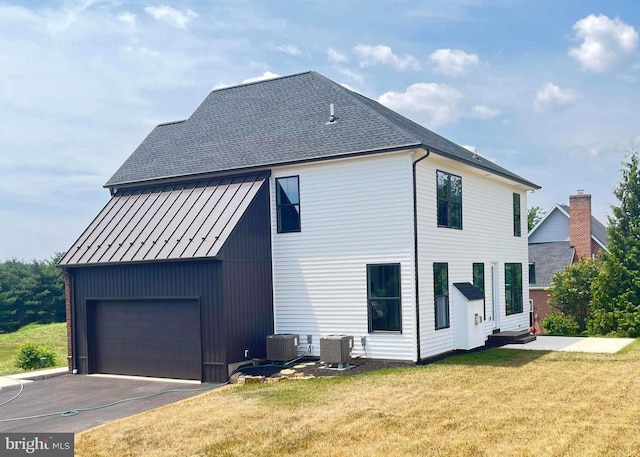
495, 402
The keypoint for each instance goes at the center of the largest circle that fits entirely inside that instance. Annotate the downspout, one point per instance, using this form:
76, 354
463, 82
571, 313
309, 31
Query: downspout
71, 359
415, 247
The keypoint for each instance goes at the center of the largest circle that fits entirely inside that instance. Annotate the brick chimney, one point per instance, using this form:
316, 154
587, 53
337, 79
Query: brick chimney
580, 224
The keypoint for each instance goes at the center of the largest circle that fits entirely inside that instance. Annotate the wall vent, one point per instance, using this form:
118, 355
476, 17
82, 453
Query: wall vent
336, 350
282, 347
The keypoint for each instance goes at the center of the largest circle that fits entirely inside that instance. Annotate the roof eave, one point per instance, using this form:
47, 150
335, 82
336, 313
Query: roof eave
258, 168
600, 243
481, 166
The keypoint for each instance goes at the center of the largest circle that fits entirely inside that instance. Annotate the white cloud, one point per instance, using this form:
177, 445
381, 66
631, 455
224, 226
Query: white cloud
453, 62
550, 96
334, 56
379, 54
430, 104
127, 18
483, 112
468, 147
171, 16
266, 75
604, 42
357, 77
290, 49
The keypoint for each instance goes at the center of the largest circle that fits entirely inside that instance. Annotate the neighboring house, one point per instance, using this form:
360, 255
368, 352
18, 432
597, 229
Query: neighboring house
565, 235
295, 205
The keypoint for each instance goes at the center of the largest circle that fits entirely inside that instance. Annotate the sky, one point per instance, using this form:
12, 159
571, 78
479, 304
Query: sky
547, 89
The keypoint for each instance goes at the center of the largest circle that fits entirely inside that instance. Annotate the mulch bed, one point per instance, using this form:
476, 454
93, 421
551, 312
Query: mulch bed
308, 366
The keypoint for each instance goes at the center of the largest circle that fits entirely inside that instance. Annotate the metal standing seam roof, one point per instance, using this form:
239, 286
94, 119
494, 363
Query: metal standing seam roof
178, 221
280, 121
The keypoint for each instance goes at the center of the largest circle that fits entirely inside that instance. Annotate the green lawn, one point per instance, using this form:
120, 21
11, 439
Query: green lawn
52, 334
497, 402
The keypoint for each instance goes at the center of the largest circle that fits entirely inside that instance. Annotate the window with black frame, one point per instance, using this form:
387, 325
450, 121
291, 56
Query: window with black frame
288, 204
449, 196
532, 273
513, 287
478, 283
383, 297
517, 224
441, 292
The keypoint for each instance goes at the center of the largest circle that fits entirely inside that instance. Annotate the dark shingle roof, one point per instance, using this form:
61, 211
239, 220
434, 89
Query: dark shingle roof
549, 258
469, 290
278, 121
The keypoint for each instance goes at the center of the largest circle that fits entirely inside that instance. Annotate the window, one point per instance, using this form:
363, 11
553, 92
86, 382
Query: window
449, 200
383, 296
478, 282
288, 204
441, 291
532, 273
513, 287
517, 225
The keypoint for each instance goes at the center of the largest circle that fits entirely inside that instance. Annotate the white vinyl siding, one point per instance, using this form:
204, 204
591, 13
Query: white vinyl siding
486, 237
355, 212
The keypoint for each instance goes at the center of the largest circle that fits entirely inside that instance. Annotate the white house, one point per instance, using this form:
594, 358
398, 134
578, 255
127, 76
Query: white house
376, 227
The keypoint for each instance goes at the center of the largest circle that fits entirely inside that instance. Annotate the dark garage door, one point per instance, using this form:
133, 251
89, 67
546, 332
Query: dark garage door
159, 338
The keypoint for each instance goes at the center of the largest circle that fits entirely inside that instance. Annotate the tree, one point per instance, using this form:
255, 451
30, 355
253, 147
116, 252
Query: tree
30, 292
570, 291
534, 215
616, 290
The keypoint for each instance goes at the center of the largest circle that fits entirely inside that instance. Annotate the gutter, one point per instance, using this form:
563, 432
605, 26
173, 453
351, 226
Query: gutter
415, 247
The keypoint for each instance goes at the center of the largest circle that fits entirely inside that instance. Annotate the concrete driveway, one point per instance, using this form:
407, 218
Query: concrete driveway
52, 397
574, 344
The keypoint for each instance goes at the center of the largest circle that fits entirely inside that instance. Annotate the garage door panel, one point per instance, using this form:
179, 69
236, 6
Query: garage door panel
158, 338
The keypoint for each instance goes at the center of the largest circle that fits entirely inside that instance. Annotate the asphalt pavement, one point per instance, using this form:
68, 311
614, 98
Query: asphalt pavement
72, 403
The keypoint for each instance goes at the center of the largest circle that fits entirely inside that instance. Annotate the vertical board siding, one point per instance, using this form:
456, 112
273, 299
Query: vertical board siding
248, 294
234, 293
247, 285
486, 237
251, 237
354, 212
199, 279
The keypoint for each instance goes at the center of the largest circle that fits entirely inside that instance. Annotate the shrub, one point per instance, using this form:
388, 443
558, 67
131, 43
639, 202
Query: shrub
570, 291
32, 355
559, 324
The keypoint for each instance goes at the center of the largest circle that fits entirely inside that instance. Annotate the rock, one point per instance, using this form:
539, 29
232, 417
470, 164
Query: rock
287, 372
275, 379
253, 379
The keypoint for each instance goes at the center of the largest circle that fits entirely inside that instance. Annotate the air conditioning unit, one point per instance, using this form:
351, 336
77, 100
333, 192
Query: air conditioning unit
336, 350
282, 347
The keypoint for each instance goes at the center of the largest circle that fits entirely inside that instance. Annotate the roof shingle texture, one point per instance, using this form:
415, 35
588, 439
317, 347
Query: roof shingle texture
549, 258
279, 121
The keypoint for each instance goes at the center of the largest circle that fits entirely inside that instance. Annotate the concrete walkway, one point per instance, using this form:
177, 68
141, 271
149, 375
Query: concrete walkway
574, 344
30, 376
